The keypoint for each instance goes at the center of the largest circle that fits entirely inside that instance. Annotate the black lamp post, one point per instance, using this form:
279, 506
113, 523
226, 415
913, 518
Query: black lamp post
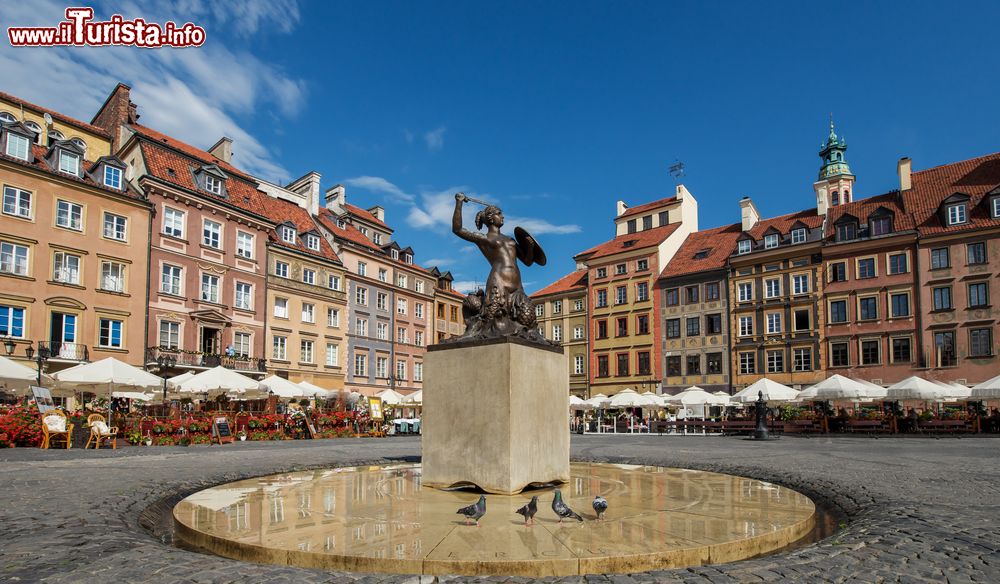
165, 362
43, 356
9, 345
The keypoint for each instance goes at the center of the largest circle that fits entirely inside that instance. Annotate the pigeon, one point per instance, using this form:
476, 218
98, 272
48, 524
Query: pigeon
562, 510
529, 511
474, 512
600, 506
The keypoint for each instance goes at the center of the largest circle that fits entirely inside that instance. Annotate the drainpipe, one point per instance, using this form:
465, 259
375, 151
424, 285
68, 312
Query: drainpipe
392, 336
149, 272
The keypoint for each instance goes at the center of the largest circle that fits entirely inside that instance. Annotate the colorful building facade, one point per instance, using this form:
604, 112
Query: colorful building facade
561, 310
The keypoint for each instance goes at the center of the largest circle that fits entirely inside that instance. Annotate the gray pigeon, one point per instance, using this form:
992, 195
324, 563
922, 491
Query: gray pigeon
600, 506
529, 511
562, 510
474, 512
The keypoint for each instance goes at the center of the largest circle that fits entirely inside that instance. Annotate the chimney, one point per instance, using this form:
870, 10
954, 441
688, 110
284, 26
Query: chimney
336, 197
748, 213
117, 111
308, 185
903, 168
620, 207
223, 150
378, 212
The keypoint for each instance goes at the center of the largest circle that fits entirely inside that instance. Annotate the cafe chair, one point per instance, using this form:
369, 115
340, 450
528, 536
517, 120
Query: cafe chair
99, 430
55, 426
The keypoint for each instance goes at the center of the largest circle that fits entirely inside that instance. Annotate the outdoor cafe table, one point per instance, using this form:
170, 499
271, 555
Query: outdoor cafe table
407, 425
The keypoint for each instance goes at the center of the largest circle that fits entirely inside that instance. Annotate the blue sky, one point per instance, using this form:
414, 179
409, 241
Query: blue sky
552, 109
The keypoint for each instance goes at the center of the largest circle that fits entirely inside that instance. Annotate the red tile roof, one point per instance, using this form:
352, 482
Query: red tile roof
364, 215
647, 206
61, 117
783, 223
189, 150
347, 233
863, 208
640, 240
576, 280
39, 163
281, 211
974, 177
715, 245
454, 293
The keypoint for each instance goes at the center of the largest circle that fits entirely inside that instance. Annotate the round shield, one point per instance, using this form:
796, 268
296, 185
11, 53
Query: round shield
528, 250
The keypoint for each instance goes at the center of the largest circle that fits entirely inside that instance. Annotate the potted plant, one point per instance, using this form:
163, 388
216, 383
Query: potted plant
242, 435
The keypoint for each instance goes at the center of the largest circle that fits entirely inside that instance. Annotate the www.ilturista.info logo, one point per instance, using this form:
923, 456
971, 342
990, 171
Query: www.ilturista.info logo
79, 29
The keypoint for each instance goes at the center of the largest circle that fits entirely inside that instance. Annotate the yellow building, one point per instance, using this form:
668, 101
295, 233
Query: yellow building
561, 309
448, 320
51, 126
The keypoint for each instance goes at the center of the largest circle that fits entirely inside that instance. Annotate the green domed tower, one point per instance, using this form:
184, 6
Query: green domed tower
836, 183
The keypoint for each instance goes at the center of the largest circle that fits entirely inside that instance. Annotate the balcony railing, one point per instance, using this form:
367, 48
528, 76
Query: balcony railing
63, 350
207, 360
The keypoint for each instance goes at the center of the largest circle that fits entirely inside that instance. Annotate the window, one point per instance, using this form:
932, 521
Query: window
901, 350
870, 353
401, 280
288, 234
16, 202
772, 288
334, 282
400, 370
743, 246
770, 240
774, 322
798, 235
13, 259
211, 234
838, 272
900, 305
803, 320
746, 326
744, 291
556, 332
944, 343
362, 269
17, 146
847, 231
173, 222
577, 332
361, 296
602, 329
602, 298
241, 344
539, 310
631, 225
802, 359
110, 333
693, 326
308, 312
69, 215
382, 331
622, 369
332, 355
312, 242
281, 269
308, 276
333, 317
839, 355
866, 268
402, 336
401, 305
673, 297
775, 361
281, 307
942, 298
170, 335
408, 258
673, 328
748, 363
602, 366
979, 295
418, 338
641, 265
418, 310
621, 269
673, 365
306, 351
244, 244
115, 227
711, 291
981, 342
880, 226
68, 163
556, 306
621, 295
641, 291
11, 321
66, 268
995, 203
361, 327
602, 272
383, 274
210, 288
694, 364
641, 324
170, 279
897, 263
279, 348
691, 295
800, 284
213, 185
112, 276
621, 327
577, 364
713, 362
418, 285
577, 305
713, 324
940, 258
956, 214
647, 222
112, 177
977, 253
868, 308
418, 372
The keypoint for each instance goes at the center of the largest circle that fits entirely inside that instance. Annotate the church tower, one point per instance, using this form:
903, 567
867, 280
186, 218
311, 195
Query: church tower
836, 183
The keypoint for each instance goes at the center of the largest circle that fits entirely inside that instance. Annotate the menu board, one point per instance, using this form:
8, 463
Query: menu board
43, 399
221, 430
375, 408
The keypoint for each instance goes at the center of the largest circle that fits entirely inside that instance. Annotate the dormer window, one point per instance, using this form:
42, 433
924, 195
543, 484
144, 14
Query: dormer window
341, 224
69, 163
7, 118
17, 146
395, 254
55, 136
847, 231
363, 230
408, 258
312, 242
995, 206
770, 240
743, 246
880, 226
213, 185
798, 235
377, 238
37, 130
112, 177
288, 235
957, 214
80, 144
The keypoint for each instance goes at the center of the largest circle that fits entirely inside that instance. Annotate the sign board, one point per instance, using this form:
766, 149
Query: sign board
221, 431
43, 399
375, 408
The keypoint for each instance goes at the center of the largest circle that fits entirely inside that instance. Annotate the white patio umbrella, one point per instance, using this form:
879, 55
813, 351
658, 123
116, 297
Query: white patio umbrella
313, 390
954, 391
876, 391
282, 388
696, 396
598, 401
916, 388
626, 398
175, 381
218, 380
391, 397
772, 390
576, 403
838, 387
989, 389
806, 395
136, 395
13, 375
108, 372
655, 401
414, 399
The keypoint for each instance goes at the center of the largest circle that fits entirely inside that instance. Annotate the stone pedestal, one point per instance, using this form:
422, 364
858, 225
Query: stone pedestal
495, 415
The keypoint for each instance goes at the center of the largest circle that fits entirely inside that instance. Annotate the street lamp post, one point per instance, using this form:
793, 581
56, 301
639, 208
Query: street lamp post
165, 362
43, 356
9, 345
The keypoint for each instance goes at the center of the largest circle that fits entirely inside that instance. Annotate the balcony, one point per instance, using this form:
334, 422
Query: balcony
59, 350
200, 361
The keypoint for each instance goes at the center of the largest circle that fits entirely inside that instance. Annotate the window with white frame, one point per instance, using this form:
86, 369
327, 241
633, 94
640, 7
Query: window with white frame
746, 326
798, 235
577, 364
16, 202
170, 279
556, 332
774, 323
333, 317
362, 269
377, 238
401, 305
361, 296
170, 335
748, 363
360, 365
308, 312
957, 214
312, 242
802, 359
800, 284
17, 146
578, 305
577, 332
69, 163
361, 327
109, 333
332, 355
244, 296
308, 276
401, 280
418, 338
306, 351
642, 291
66, 268
996, 206
418, 310
112, 276
115, 227
69, 215
772, 288
418, 285
408, 258
381, 367
382, 331
381, 301
244, 244
743, 246
279, 348
744, 291
288, 234
211, 234
418, 372
770, 240
400, 370
539, 310
213, 185
11, 321
402, 335
173, 222
210, 288
281, 307
333, 282
394, 253
13, 258
241, 344
281, 269
112, 177
383, 275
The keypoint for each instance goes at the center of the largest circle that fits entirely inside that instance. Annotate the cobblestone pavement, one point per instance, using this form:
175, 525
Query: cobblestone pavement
917, 509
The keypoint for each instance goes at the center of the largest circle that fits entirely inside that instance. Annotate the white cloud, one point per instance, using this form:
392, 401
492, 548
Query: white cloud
435, 138
193, 94
439, 262
541, 226
436, 209
377, 184
467, 286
